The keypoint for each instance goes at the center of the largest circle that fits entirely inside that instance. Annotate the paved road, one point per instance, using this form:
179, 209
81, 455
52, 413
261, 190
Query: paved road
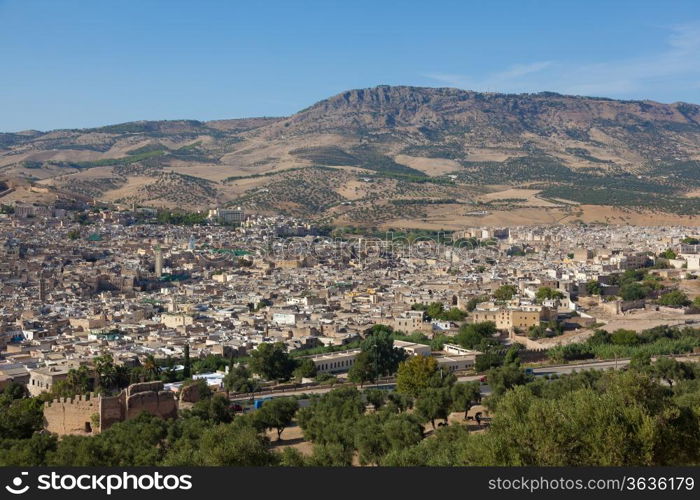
485, 389
593, 365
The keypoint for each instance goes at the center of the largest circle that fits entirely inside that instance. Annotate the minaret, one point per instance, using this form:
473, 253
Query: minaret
159, 261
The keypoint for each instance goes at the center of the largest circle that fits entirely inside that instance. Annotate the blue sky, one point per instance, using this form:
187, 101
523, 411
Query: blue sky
70, 63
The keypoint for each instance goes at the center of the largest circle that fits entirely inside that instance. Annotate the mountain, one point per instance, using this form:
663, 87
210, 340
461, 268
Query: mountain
392, 156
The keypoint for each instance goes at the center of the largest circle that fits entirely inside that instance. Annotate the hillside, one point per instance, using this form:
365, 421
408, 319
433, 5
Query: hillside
406, 156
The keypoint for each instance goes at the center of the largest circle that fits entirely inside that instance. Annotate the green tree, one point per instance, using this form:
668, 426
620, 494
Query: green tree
464, 395
487, 360
363, 369
570, 352
633, 291
475, 335
379, 343
31, 452
272, 362
330, 418
370, 439
402, 430
238, 379
233, 445
416, 374
443, 449
626, 420
435, 310
214, 409
331, 455
277, 414
547, 293
671, 370
291, 457
20, 417
306, 368
475, 301
593, 287
108, 377
505, 292
509, 375
624, 337
77, 381
599, 337
675, 298
375, 397
433, 403
187, 370
454, 314
668, 254
549, 329
151, 368
640, 361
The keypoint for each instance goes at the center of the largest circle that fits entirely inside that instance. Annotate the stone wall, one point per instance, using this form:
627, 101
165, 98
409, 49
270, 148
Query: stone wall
72, 415
527, 342
619, 307
159, 403
190, 394
93, 414
112, 410
144, 387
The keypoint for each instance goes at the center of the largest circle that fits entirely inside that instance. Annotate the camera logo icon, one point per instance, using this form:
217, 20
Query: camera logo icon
17, 488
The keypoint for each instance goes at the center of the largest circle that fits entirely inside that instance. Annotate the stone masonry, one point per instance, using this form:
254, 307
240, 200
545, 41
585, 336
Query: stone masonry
91, 414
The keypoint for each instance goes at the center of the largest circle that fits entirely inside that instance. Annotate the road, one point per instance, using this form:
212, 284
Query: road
485, 389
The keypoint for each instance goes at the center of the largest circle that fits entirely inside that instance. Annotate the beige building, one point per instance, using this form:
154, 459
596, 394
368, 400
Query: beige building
693, 261
176, 320
412, 348
409, 321
335, 362
43, 379
456, 363
88, 323
509, 318
582, 254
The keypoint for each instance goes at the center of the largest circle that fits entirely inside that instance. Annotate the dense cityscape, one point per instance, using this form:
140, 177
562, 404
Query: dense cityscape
294, 344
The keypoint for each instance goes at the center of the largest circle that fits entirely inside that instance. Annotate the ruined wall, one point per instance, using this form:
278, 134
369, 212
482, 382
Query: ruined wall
527, 342
619, 307
72, 415
190, 394
144, 387
159, 403
112, 410
75, 415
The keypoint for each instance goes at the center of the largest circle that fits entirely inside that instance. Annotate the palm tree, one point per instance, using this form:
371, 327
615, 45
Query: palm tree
105, 372
151, 367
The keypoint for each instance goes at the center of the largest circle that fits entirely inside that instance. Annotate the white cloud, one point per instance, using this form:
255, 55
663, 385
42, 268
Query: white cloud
675, 67
501, 81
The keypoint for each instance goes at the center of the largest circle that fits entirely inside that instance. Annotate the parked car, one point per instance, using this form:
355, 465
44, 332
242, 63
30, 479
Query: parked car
483, 379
